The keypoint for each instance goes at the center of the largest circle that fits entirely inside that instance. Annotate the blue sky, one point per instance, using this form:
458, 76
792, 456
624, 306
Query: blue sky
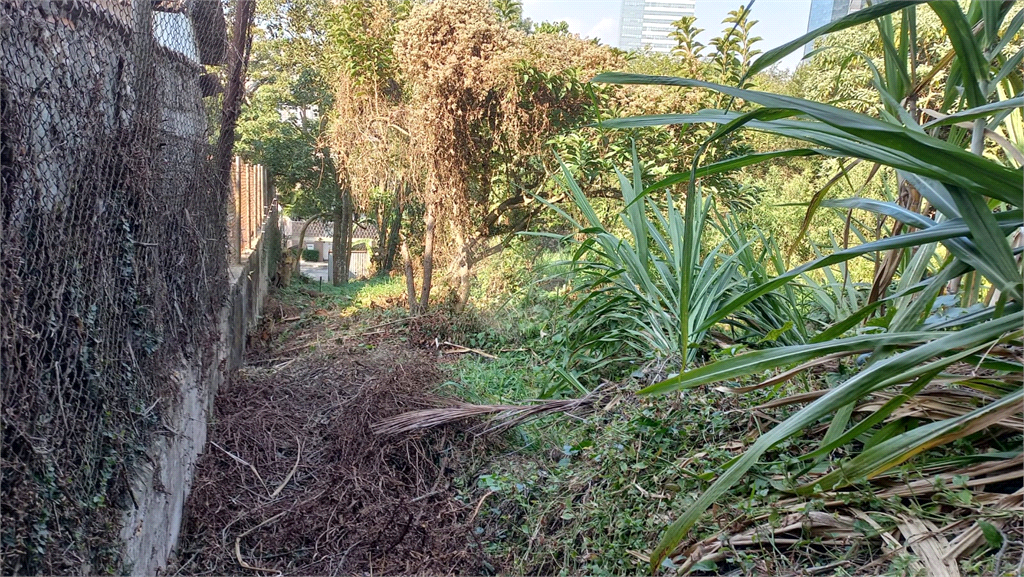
778, 20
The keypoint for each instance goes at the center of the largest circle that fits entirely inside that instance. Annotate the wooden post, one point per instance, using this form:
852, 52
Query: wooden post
238, 57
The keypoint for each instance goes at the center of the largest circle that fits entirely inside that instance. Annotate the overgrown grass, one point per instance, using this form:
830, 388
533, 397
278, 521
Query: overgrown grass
569, 495
376, 292
513, 377
597, 492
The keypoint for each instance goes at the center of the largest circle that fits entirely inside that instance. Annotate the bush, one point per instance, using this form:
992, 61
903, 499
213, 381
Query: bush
311, 255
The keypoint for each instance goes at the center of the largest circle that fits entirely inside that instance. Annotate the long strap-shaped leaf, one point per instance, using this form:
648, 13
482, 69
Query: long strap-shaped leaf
989, 252
895, 369
896, 450
847, 132
974, 65
942, 231
859, 17
756, 362
735, 163
978, 111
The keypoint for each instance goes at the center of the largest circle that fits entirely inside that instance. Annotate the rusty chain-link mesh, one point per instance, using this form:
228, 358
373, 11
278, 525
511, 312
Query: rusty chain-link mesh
112, 255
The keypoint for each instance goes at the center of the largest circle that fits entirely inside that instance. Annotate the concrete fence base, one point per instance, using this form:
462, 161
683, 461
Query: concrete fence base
160, 488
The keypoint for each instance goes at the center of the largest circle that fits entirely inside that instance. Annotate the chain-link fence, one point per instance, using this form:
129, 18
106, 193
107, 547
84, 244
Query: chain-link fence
113, 252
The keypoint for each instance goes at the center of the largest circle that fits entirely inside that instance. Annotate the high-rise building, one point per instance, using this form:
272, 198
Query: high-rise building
649, 23
825, 11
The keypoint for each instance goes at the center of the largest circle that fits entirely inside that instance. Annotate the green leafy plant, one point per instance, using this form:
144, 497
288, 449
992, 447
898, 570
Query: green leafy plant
976, 200
646, 293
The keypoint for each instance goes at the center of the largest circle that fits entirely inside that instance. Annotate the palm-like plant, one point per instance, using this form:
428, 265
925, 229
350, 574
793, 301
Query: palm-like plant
977, 201
632, 284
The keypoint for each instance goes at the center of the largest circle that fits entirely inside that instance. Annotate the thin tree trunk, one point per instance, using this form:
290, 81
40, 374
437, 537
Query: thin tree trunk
348, 231
462, 271
410, 282
428, 257
341, 245
392, 242
302, 237
380, 247
337, 244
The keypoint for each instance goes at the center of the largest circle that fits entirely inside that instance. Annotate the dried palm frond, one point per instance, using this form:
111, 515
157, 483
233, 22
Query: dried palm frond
968, 531
975, 477
822, 527
503, 417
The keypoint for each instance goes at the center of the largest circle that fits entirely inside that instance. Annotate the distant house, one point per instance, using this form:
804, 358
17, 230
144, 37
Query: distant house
320, 237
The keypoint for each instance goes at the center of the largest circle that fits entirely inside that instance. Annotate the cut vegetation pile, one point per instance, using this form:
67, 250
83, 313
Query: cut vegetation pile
293, 480
331, 454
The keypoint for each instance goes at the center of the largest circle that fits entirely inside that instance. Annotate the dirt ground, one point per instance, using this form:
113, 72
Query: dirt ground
294, 482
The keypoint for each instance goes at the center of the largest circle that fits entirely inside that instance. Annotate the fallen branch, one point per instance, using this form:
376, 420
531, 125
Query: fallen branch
479, 504
242, 461
461, 349
503, 417
295, 467
238, 546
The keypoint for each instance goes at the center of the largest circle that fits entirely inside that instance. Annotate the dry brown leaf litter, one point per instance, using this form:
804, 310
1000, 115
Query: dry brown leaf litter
298, 484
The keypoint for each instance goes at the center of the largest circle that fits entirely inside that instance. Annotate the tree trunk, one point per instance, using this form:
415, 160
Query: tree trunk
379, 248
348, 231
341, 246
462, 275
302, 237
428, 257
392, 242
410, 282
339, 276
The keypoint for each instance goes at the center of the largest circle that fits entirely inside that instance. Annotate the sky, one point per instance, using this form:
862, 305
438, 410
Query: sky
779, 21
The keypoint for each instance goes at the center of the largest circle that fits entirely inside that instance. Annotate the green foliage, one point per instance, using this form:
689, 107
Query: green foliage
311, 255
801, 234
367, 57
966, 202
734, 49
685, 34
582, 498
285, 121
560, 27
349, 298
510, 13
630, 289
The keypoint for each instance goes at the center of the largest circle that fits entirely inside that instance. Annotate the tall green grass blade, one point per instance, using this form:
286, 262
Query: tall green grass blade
997, 262
840, 328
734, 163
978, 112
892, 452
1011, 66
757, 362
859, 17
942, 231
895, 369
848, 133
974, 67
1010, 33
